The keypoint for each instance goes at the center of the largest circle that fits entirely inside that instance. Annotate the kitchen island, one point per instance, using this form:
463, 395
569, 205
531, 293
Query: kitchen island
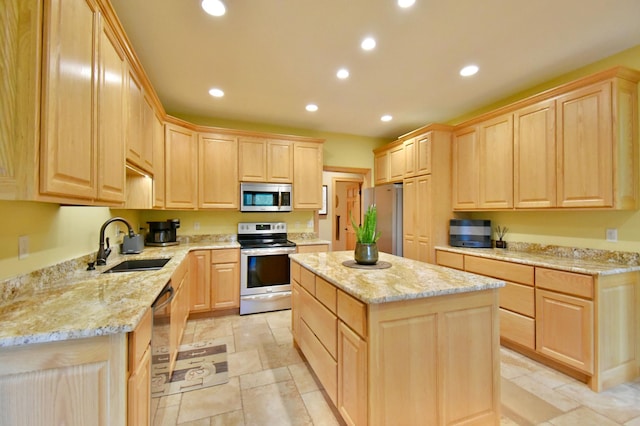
413, 343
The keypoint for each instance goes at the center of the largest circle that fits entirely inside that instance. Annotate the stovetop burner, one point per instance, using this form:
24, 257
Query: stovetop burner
263, 235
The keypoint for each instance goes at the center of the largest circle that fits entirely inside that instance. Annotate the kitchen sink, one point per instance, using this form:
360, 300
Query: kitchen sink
138, 265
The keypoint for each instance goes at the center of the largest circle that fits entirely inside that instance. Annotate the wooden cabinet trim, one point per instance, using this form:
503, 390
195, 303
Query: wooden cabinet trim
509, 271
353, 313
565, 282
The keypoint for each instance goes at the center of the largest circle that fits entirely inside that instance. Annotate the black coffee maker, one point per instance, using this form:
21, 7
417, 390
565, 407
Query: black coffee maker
162, 233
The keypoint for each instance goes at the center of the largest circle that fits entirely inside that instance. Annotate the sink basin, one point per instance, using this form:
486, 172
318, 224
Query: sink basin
138, 265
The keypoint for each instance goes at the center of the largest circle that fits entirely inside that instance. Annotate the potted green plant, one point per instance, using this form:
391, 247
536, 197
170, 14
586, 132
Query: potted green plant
366, 251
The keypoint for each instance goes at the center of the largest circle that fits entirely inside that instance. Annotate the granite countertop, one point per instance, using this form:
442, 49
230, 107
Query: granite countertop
74, 303
309, 241
405, 279
581, 264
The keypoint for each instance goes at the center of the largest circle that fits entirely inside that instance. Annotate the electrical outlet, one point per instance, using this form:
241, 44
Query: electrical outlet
612, 235
23, 246
196, 226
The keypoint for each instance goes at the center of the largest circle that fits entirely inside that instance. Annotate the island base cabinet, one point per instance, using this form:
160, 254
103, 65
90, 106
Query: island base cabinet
352, 376
435, 359
75, 383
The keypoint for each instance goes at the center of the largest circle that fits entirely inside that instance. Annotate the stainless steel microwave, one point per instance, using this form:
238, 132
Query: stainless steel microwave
265, 197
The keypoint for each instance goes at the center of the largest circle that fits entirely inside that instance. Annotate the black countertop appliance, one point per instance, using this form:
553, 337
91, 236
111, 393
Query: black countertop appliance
162, 233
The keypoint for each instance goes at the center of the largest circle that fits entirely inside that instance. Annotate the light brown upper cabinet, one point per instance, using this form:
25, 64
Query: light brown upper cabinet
68, 143
181, 173
307, 175
263, 160
389, 163
466, 168
496, 163
218, 171
81, 146
575, 146
534, 153
158, 158
139, 126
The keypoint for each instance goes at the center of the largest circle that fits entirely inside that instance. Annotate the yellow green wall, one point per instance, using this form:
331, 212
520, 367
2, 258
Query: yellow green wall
573, 229
56, 233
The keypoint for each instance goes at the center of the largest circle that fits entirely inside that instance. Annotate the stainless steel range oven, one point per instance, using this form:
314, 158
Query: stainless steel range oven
264, 267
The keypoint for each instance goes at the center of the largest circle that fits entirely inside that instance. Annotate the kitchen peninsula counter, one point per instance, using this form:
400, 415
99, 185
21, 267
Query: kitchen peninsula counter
412, 343
69, 302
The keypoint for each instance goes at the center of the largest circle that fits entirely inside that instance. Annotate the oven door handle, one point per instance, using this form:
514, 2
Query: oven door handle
168, 289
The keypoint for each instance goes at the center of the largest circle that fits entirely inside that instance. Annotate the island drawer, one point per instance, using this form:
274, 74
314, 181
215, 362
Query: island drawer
321, 321
353, 313
327, 294
325, 367
518, 328
518, 298
451, 260
308, 280
565, 282
523, 274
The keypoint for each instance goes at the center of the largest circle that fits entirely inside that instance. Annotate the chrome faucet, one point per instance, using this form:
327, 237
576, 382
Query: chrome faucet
103, 253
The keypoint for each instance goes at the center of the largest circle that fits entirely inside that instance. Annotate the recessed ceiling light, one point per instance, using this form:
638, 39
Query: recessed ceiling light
386, 117
213, 7
311, 107
368, 43
342, 73
469, 70
406, 3
216, 93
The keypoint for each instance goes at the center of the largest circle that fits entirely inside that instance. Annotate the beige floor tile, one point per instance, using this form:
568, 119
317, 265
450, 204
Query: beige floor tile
211, 401
166, 416
582, 416
213, 330
319, 409
276, 404
274, 355
513, 364
620, 403
282, 336
524, 407
279, 319
200, 422
251, 339
233, 418
166, 401
303, 377
244, 362
633, 422
265, 377
562, 402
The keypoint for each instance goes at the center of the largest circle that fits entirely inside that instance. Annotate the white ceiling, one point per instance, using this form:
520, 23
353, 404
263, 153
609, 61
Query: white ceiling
272, 57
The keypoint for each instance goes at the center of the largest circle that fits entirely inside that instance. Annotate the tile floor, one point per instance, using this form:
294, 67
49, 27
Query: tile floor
270, 384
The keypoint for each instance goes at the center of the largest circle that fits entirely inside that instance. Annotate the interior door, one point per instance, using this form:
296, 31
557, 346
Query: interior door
353, 210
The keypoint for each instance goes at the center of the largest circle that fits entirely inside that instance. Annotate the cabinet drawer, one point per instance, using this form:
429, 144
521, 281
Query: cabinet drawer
565, 282
308, 280
452, 260
295, 272
353, 313
327, 294
225, 256
325, 367
518, 298
518, 328
507, 271
322, 322
139, 339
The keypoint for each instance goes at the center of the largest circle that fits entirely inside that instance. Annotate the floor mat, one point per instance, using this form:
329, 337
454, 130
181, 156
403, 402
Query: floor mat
198, 365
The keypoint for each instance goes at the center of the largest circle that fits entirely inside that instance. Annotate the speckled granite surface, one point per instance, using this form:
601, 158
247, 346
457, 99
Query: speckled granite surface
405, 279
584, 261
66, 301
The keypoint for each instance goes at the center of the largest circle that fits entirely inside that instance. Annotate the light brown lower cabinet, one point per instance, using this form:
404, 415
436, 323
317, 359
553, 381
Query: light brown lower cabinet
215, 279
424, 361
179, 310
583, 325
89, 377
139, 383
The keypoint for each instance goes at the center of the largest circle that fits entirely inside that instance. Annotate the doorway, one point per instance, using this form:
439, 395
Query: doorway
347, 203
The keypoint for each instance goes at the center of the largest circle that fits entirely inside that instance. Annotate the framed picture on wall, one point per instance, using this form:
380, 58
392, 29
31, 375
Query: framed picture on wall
323, 210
